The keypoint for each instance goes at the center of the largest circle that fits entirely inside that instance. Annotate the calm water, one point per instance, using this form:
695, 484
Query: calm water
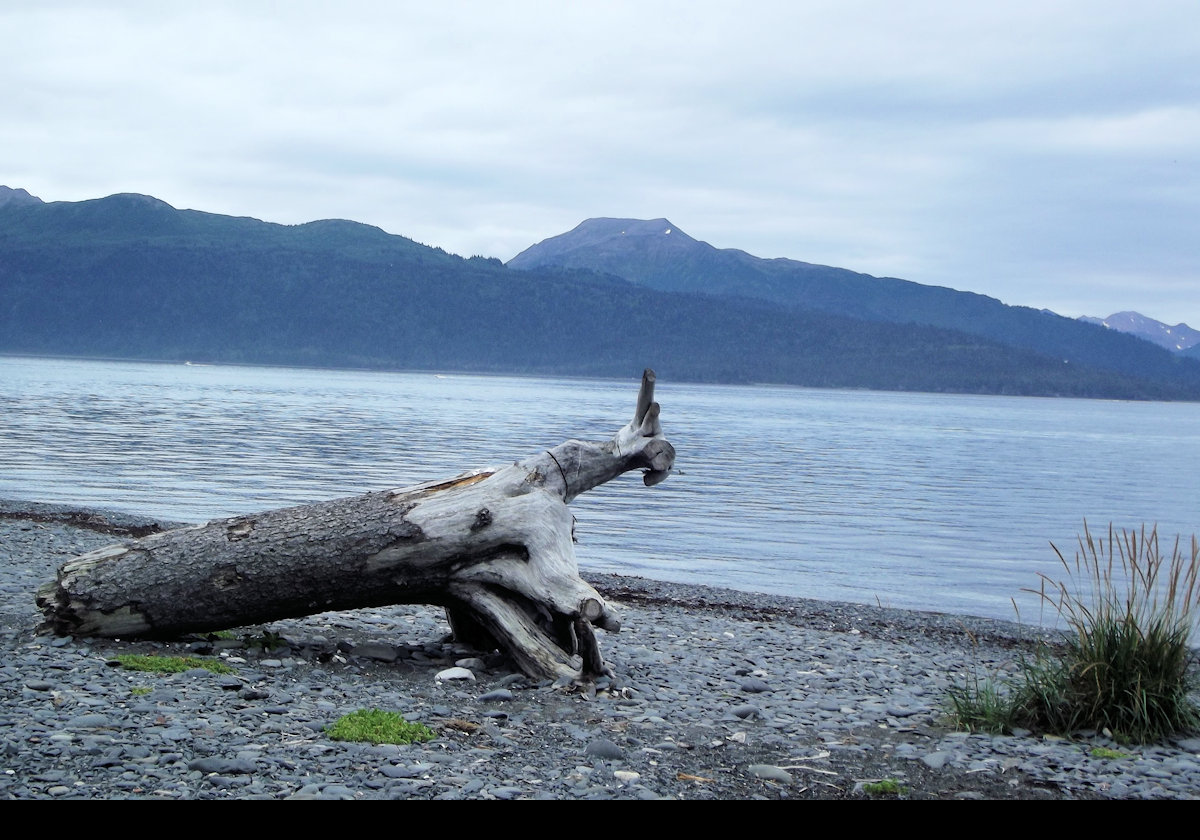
920, 501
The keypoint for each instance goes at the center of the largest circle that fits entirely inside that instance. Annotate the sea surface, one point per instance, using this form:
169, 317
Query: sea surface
921, 501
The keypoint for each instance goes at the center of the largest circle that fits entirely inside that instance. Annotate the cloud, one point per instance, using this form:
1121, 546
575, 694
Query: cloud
1015, 149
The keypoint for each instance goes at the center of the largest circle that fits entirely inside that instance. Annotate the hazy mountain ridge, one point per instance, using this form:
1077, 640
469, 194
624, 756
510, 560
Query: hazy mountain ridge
129, 276
17, 196
126, 217
657, 254
1176, 338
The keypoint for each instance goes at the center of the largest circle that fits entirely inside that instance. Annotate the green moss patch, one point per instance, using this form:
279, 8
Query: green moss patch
884, 787
171, 664
373, 726
1105, 752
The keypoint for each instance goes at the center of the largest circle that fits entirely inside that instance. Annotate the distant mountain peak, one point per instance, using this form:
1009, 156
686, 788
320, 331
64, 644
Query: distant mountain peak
627, 227
604, 233
1175, 338
138, 200
17, 196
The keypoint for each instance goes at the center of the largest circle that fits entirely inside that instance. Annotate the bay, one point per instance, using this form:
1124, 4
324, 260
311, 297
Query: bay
934, 502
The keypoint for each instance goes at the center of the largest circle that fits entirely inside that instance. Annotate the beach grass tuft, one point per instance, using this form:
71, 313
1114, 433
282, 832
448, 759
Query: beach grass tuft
1126, 667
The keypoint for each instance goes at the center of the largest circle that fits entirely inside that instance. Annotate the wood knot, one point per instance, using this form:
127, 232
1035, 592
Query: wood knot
226, 578
482, 519
239, 529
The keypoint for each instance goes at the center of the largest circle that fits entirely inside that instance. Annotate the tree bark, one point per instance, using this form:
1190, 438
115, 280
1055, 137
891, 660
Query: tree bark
494, 547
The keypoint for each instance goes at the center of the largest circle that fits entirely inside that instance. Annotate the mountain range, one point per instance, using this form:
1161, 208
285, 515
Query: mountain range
129, 276
657, 254
1179, 338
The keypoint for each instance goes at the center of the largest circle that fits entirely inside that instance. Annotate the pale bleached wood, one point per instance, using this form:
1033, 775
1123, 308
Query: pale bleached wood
494, 547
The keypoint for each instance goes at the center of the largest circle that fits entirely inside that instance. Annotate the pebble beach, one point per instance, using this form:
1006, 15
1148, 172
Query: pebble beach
715, 694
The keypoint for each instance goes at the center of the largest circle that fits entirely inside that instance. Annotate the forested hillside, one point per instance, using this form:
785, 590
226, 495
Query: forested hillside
131, 277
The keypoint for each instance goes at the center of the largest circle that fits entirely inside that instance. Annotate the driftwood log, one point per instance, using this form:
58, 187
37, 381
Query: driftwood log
495, 548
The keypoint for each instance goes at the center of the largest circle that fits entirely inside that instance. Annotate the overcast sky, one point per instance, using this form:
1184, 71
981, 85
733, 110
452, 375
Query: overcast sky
1045, 153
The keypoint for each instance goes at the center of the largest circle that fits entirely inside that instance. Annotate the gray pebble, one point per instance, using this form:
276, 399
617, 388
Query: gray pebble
769, 772
377, 651
936, 760
223, 766
746, 712
91, 721
604, 748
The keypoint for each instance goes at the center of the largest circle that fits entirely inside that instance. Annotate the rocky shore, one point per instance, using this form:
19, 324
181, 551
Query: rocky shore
717, 694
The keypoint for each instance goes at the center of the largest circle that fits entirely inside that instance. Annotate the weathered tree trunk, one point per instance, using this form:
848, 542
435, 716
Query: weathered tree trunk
494, 548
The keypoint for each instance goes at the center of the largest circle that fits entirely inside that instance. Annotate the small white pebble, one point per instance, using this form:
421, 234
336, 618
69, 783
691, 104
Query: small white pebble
454, 674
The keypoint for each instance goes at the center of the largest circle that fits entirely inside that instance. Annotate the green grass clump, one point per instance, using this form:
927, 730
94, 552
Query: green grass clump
171, 664
1125, 668
267, 641
884, 787
982, 705
377, 727
1105, 752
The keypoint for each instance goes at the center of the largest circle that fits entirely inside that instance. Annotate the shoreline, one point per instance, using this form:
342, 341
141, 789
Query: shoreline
716, 693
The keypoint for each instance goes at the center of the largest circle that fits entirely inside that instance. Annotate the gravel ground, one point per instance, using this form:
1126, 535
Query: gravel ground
717, 694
